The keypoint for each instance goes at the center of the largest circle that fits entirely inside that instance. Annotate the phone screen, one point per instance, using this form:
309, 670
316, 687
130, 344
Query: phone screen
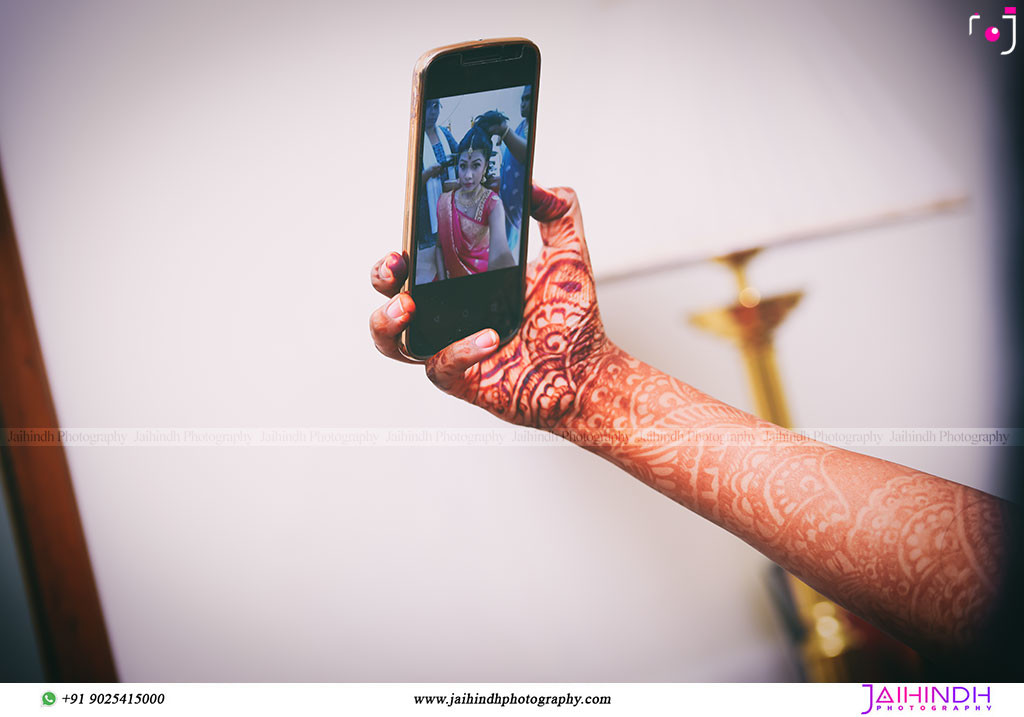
470, 213
470, 167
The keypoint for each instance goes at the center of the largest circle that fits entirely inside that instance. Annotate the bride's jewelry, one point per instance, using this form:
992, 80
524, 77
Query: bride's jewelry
469, 204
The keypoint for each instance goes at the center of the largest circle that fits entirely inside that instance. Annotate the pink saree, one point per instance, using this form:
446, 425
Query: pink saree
465, 240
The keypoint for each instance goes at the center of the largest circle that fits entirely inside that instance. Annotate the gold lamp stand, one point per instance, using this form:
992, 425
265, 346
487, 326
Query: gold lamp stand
750, 323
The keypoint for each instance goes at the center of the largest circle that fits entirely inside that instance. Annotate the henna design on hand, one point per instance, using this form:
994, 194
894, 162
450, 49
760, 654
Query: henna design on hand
535, 379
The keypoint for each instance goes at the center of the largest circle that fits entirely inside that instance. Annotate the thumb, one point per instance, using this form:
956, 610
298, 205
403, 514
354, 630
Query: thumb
447, 368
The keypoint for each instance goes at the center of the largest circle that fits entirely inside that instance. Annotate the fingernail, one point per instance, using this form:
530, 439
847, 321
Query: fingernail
384, 272
395, 262
395, 308
487, 339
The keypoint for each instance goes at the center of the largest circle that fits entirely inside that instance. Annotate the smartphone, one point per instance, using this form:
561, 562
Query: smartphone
467, 206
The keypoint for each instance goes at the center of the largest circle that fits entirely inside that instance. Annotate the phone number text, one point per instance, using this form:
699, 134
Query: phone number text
114, 698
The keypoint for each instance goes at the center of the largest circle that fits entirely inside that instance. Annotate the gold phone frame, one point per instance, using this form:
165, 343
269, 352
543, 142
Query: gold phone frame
416, 150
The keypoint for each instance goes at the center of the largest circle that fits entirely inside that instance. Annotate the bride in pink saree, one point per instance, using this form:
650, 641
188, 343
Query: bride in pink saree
471, 219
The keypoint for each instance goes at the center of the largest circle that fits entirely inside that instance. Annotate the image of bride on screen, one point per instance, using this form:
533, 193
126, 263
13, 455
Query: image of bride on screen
471, 236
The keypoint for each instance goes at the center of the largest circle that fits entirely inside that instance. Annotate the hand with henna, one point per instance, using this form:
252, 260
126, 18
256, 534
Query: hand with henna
921, 557
536, 378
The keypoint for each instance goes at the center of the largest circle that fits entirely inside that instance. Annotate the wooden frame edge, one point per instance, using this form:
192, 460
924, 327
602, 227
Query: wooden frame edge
72, 634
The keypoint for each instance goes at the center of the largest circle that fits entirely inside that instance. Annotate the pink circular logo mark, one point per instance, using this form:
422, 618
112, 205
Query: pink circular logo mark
992, 34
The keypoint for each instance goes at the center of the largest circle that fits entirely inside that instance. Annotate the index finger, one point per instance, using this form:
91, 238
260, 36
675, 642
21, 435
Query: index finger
388, 274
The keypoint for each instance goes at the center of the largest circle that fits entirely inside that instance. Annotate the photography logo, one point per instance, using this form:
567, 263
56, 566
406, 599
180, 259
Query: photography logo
993, 33
928, 698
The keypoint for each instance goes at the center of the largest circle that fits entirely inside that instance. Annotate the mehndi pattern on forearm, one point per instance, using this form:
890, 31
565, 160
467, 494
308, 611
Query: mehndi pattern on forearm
916, 554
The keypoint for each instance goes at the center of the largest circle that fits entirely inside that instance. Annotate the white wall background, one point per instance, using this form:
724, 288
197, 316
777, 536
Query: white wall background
199, 190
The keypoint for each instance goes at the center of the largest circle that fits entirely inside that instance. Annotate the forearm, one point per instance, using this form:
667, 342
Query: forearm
499, 256
918, 555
